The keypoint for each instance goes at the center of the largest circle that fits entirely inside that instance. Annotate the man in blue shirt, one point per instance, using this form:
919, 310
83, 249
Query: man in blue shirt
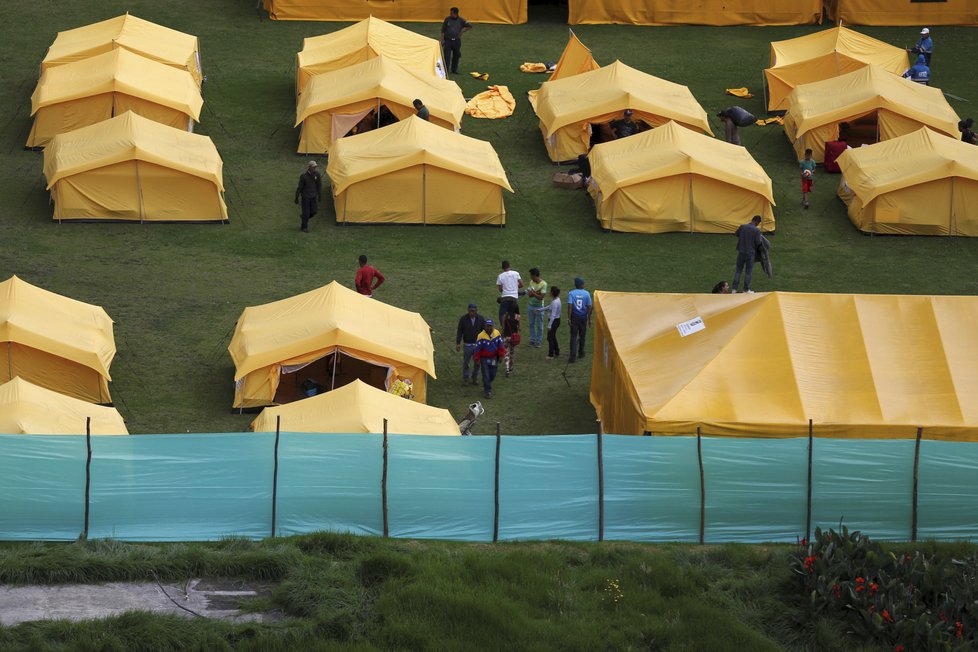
925, 45
579, 315
919, 72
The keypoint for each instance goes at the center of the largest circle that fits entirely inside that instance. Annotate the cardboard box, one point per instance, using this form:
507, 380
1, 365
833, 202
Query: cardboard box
569, 181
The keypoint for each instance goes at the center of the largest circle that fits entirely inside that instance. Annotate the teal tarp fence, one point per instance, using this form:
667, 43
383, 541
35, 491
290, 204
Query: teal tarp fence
203, 487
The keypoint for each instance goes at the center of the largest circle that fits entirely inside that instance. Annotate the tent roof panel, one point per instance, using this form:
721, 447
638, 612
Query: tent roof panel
26, 409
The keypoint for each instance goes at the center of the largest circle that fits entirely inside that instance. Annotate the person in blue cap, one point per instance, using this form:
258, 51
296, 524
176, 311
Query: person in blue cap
579, 315
469, 326
919, 72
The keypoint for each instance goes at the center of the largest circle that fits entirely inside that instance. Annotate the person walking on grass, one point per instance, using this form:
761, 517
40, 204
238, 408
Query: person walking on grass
366, 275
553, 323
488, 352
749, 238
308, 194
579, 315
511, 335
509, 283
807, 166
469, 326
452, 29
536, 292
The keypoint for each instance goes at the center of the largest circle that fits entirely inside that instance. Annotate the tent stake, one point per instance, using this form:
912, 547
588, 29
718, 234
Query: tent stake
278, 425
600, 483
383, 484
699, 456
808, 517
495, 514
88, 471
916, 468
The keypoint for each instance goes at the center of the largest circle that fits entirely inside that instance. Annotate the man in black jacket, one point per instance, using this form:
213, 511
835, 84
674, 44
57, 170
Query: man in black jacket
749, 238
309, 193
452, 29
469, 326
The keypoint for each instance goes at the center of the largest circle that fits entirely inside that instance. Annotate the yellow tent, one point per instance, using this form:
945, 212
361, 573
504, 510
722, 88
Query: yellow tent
130, 33
575, 59
357, 408
85, 92
917, 14
26, 409
674, 179
333, 103
876, 104
568, 107
698, 12
330, 336
923, 183
413, 172
508, 12
762, 365
130, 168
825, 54
365, 40
55, 342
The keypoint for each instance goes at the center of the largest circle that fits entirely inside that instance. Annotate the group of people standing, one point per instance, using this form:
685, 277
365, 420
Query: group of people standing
485, 347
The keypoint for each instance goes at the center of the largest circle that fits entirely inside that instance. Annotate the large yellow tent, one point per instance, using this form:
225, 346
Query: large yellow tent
413, 172
509, 12
575, 59
828, 53
82, 93
365, 40
26, 409
130, 168
696, 12
130, 33
568, 107
762, 365
331, 336
869, 100
674, 179
917, 14
357, 408
55, 342
333, 103
923, 183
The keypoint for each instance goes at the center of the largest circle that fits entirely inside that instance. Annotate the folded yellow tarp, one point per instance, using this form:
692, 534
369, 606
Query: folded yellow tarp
923, 183
533, 67
674, 179
822, 55
762, 365
357, 408
898, 105
139, 36
497, 102
739, 92
132, 168
365, 40
55, 342
26, 409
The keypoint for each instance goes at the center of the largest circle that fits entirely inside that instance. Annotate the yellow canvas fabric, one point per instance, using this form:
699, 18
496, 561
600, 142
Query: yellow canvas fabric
59, 343
357, 408
904, 12
365, 40
861, 366
695, 12
822, 55
575, 59
567, 106
133, 168
414, 172
507, 12
366, 86
492, 104
312, 325
140, 36
899, 105
84, 92
674, 179
923, 183
26, 409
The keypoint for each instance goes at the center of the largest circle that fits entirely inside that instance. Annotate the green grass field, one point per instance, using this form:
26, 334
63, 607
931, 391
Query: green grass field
175, 291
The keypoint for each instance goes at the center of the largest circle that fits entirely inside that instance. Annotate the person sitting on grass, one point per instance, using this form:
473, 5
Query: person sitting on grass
807, 176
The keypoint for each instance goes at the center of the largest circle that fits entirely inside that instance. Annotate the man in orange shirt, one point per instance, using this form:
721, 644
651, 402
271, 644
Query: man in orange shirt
366, 276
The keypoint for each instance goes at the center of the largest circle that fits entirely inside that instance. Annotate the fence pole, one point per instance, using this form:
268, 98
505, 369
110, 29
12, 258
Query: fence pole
383, 484
495, 513
600, 484
808, 515
699, 456
278, 424
916, 468
88, 470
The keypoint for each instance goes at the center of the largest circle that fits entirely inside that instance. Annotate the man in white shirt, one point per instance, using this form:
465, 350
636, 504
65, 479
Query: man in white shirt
509, 283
